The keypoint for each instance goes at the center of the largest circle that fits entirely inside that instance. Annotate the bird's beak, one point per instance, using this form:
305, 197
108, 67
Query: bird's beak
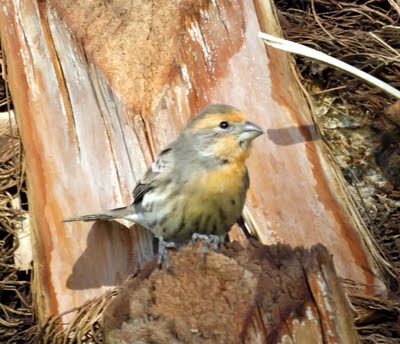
249, 132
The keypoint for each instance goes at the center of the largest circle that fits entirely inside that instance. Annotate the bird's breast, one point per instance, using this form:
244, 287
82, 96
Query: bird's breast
223, 182
218, 195
209, 202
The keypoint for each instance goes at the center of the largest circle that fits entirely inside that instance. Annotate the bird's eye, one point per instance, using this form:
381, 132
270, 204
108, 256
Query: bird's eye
224, 125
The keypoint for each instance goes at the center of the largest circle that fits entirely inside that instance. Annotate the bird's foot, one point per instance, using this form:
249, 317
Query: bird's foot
208, 239
162, 253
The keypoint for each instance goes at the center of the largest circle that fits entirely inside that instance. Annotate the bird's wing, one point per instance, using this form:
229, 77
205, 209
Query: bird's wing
159, 170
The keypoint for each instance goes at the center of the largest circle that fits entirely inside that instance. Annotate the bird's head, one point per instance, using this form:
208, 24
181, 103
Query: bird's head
222, 131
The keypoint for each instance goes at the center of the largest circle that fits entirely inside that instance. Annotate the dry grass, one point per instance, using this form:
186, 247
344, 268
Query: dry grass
360, 125
16, 313
85, 325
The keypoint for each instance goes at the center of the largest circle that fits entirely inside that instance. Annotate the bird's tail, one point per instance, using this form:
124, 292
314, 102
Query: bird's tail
90, 217
107, 215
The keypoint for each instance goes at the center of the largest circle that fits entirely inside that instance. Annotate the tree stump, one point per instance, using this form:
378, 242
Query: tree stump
251, 294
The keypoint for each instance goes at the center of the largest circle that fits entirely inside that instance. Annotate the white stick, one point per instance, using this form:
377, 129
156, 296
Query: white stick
300, 49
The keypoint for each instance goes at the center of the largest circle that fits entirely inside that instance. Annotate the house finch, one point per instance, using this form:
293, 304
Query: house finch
197, 186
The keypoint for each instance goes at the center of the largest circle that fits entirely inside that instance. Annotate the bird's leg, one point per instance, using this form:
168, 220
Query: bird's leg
208, 239
162, 253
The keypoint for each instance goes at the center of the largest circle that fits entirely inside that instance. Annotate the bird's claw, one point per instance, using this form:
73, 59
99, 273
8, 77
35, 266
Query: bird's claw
208, 239
162, 253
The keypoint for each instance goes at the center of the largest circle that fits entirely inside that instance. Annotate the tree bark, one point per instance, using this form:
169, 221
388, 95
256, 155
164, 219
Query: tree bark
100, 87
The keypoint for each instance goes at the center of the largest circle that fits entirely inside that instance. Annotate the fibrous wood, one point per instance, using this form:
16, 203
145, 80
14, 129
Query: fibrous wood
256, 294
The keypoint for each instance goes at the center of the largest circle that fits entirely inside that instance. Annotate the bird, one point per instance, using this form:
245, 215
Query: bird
196, 188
